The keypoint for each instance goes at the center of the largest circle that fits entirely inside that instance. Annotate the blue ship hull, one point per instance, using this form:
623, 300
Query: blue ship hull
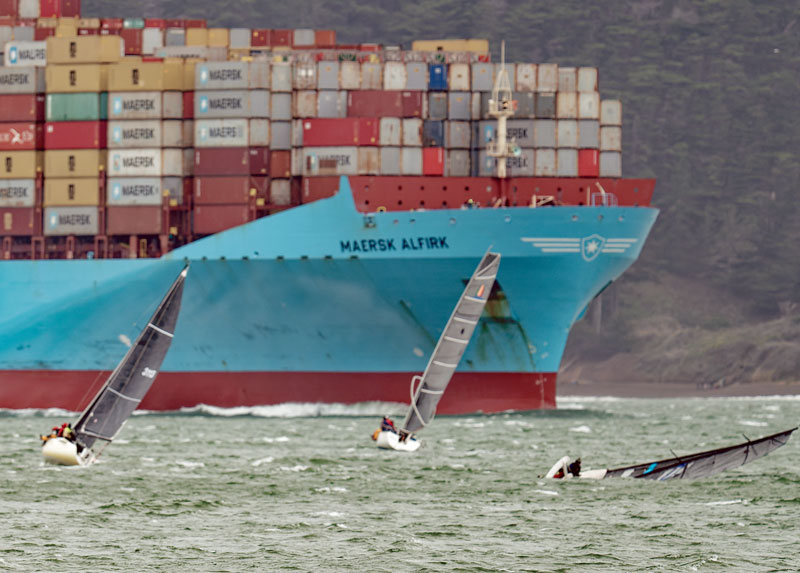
322, 303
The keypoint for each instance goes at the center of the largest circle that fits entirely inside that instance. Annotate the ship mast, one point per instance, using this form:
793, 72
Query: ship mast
501, 107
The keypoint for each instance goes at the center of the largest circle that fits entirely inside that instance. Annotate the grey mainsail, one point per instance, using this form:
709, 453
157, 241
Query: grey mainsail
427, 390
704, 464
133, 376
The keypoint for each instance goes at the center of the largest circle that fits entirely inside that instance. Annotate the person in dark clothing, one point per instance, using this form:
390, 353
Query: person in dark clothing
575, 468
387, 425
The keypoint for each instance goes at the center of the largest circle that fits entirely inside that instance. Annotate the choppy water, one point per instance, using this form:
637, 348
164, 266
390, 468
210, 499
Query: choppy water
293, 488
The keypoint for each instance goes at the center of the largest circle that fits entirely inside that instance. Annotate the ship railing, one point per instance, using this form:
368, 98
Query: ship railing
604, 199
542, 200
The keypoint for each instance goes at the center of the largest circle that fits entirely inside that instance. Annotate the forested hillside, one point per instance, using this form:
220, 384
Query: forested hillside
711, 106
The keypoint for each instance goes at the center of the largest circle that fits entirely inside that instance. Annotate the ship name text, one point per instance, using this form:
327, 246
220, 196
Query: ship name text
384, 245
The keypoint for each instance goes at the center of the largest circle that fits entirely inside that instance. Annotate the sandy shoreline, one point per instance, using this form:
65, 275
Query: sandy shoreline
673, 390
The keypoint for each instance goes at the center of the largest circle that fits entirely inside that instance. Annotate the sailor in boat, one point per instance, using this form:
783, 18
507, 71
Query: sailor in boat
387, 425
568, 469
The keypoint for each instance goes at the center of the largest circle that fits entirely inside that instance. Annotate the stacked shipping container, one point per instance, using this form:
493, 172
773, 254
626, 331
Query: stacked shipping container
155, 128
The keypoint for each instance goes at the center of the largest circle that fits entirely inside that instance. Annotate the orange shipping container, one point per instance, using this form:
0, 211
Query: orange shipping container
20, 164
60, 192
74, 79
133, 220
84, 49
74, 163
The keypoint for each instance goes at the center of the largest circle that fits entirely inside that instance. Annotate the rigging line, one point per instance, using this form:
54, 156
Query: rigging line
121, 395
161, 330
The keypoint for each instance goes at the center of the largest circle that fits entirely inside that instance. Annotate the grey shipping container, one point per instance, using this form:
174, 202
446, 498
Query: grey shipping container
521, 165
222, 75
330, 160
331, 103
173, 162
457, 163
297, 133
610, 164
17, 192
174, 133
281, 135
70, 221
175, 37
587, 79
567, 135
545, 163
390, 131
588, 134
350, 75
521, 129
547, 78
303, 37
482, 77
567, 162
417, 76
134, 162
610, 138
152, 40
371, 76
221, 133
172, 105
437, 105
328, 75
135, 105
394, 76
432, 133
610, 112
526, 105
589, 105
259, 75
239, 38
281, 77
567, 105
412, 132
21, 80
545, 106
458, 135
411, 161
29, 8
567, 79
138, 133
134, 191
458, 105
390, 161
231, 103
259, 133
280, 192
173, 187
281, 106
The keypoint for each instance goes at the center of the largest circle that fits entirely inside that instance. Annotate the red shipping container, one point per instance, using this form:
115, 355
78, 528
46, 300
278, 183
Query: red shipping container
280, 164
259, 160
112, 23
188, 105
174, 23
159, 23
321, 132
49, 8
22, 107
325, 38
412, 104
195, 23
588, 163
75, 135
283, 38
8, 8
221, 161
209, 219
18, 221
89, 31
21, 136
71, 8
260, 185
133, 220
41, 34
133, 40
433, 161
315, 188
222, 190
260, 38
374, 103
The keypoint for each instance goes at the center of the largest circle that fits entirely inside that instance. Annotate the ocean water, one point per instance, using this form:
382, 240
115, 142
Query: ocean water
302, 488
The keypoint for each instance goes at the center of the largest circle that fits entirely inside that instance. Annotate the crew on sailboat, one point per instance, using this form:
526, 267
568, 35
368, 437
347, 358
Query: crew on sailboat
573, 469
387, 425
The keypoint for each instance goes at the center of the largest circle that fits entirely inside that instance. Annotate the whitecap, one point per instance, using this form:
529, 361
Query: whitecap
727, 502
545, 491
581, 429
297, 468
753, 423
266, 460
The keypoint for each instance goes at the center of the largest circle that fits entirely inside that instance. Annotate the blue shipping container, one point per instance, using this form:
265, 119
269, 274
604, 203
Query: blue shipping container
438, 77
432, 133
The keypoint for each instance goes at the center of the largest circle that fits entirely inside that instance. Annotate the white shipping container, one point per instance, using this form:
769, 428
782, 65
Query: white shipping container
395, 76
544, 133
545, 163
297, 161
280, 192
259, 133
567, 105
371, 76
587, 79
297, 133
411, 161
610, 138
458, 78
259, 75
330, 160
21, 80
328, 75
476, 106
567, 133
391, 131
412, 132
207, 53
589, 105
17, 192
305, 76
350, 75
222, 75
174, 162
25, 54
610, 164
526, 77
134, 163
231, 103
567, 79
610, 112
172, 105
70, 221
547, 78
369, 161
137, 133
135, 105
567, 162
281, 77
24, 33
152, 40
134, 191
303, 37
174, 134
28, 8
188, 161
390, 160
304, 103
240, 38
221, 133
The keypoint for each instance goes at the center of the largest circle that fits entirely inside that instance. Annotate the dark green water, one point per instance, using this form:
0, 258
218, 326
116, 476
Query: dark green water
260, 491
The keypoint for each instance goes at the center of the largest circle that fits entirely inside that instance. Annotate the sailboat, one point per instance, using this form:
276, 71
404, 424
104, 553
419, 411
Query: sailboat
427, 390
124, 389
691, 466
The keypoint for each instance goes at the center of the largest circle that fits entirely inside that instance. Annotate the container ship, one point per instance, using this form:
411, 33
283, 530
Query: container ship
331, 200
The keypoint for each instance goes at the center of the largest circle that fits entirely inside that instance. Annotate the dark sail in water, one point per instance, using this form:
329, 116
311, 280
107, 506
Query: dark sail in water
704, 464
130, 381
452, 344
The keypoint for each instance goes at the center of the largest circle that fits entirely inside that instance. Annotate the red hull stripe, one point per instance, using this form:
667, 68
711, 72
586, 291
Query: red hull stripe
467, 393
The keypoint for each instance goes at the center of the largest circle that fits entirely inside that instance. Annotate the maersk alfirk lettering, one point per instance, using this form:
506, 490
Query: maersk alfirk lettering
384, 245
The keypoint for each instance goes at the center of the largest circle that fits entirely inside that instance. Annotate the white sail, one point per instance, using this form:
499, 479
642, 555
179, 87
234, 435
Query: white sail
427, 390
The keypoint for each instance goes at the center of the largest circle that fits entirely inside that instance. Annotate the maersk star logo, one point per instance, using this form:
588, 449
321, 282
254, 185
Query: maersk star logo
589, 247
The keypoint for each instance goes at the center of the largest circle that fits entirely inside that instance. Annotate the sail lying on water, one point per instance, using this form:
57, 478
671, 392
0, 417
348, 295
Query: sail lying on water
130, 381
427, 390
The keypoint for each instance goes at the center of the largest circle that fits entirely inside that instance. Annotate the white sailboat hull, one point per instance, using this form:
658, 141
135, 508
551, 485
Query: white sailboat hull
563, 465
391, 441
62, 452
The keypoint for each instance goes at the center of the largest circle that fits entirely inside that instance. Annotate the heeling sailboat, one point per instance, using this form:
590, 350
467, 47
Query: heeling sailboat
124, 389
691, 466
427, 390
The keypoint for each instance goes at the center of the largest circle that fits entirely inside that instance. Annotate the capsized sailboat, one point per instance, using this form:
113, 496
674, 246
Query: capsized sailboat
427, 390
691, 466
124, 389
